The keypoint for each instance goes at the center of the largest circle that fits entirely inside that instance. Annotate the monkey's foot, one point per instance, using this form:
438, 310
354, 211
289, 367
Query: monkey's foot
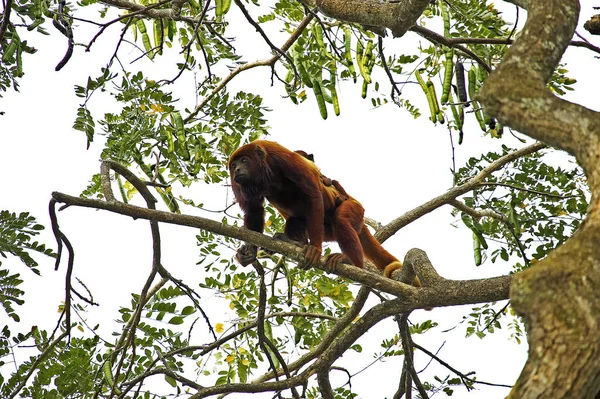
312, 256
246, 254
335, 260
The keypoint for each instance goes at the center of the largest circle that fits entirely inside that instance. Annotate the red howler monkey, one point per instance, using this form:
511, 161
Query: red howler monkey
293, 185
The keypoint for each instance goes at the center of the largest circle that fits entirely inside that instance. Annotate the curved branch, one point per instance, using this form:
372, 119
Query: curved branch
478, 214
61, 239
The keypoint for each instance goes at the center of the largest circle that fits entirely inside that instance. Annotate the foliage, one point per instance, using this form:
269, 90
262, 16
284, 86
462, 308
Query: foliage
16, 232
538, 207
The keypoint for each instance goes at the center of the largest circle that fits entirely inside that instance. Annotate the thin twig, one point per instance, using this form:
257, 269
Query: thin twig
440, 39
386, 68
457, 41
407, 346
527, 190
188, 46
455, 371
130, 15
5, 20
268, 62
496, 315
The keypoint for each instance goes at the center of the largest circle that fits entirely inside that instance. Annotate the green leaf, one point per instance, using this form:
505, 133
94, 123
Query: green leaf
176, 320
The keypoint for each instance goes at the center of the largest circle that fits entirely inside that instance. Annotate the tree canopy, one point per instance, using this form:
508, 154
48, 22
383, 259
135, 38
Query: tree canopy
185, 83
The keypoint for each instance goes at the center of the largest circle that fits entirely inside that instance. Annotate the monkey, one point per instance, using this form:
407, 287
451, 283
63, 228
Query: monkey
293, 184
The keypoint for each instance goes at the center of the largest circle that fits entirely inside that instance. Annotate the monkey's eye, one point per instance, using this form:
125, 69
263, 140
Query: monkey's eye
244, 160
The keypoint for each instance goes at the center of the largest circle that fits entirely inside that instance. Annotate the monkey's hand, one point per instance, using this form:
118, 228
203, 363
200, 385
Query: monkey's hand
246, 254
312, 255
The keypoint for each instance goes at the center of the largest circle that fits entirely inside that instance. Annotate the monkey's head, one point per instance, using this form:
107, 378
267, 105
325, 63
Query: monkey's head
248, 166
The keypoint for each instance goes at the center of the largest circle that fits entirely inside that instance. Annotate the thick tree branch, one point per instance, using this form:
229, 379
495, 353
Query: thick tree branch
519, 3
147, 11
529, 106
593, 25
176, 6
396, 16
559, 296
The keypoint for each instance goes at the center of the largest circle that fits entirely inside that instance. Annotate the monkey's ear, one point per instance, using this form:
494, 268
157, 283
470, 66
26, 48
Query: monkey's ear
260, 152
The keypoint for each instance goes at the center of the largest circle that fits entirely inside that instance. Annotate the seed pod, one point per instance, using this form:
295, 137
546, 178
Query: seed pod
448, 66
460, 83
320, 99
425, 88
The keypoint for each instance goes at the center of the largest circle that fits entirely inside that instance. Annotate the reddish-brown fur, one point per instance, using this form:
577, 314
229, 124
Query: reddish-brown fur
313, 211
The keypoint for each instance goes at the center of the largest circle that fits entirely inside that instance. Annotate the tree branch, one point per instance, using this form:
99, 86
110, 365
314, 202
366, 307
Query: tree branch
451, 292
440, 39
396, 16
527, 106
464, 377
147, 11
5, 20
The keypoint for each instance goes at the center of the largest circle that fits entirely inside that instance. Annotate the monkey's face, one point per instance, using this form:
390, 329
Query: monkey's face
240, 170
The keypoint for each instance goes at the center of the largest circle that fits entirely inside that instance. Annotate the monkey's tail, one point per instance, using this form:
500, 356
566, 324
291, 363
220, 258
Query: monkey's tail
384, 261
374, 251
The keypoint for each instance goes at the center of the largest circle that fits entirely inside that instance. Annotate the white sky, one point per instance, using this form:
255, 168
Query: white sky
383, 157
